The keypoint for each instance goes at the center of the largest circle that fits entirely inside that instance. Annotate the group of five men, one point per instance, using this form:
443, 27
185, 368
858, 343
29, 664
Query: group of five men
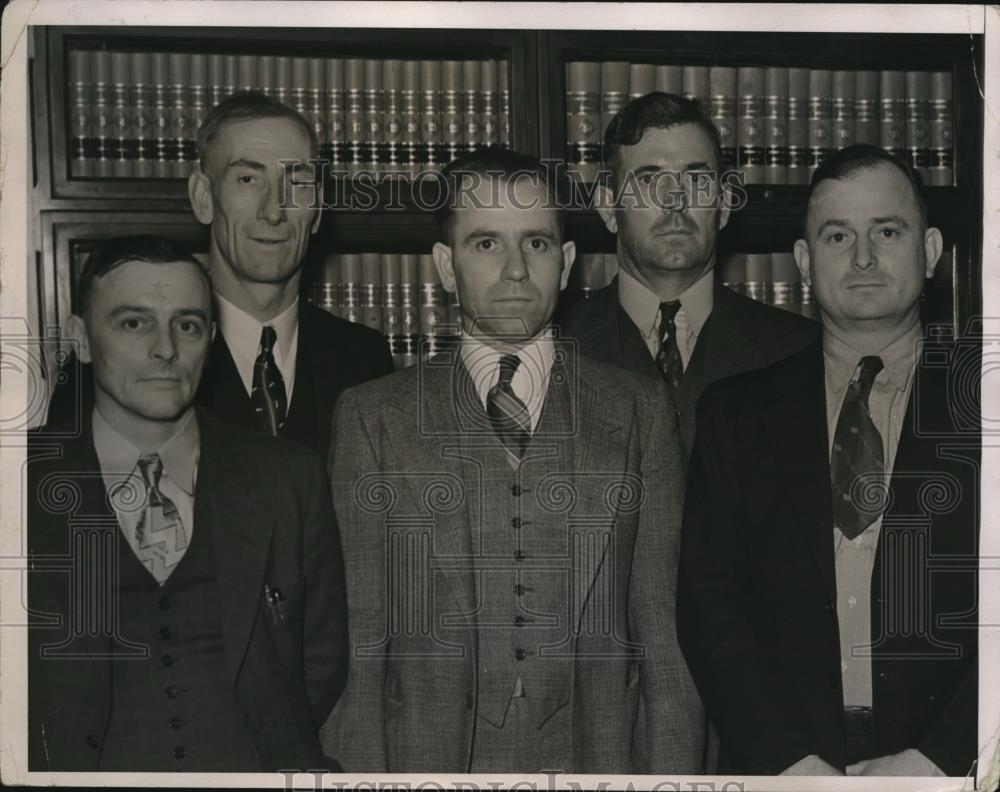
548, 547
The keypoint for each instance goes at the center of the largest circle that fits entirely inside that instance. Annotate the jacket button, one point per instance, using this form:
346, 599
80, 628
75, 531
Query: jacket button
165, 633
164, 603
93, 742
518, 555
515, 523
171, 692
167, 660
179, 752
520, 654
176, 723
468, 701
516, 490
518, 621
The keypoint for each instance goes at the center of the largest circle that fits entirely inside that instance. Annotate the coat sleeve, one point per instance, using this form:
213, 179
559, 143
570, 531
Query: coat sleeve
757, 718
355, 732
674, 719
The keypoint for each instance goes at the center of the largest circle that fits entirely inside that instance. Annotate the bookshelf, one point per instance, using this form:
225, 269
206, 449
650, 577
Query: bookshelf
76, 206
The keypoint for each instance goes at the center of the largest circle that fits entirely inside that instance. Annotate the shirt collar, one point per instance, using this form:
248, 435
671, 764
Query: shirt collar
242, 331
899, 358
482, 362
179, 455
643, 305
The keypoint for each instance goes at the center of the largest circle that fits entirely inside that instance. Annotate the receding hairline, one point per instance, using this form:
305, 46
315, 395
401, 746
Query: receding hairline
210, 143
118, 266
923, 223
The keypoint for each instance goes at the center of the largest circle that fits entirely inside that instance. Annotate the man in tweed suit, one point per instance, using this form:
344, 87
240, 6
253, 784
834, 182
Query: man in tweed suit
185, 578
511, 514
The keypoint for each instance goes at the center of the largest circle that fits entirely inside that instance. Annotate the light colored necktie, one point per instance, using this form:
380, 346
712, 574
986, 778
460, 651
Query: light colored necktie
160, 539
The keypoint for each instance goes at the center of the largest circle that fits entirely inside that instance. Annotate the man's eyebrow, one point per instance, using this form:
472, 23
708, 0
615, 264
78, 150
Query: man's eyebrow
538, 232
198, 312
246, 163
121, 309
891, 219
835, 222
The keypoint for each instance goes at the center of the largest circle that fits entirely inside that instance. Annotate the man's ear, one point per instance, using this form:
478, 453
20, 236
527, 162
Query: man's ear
444, 265
801, 251
200, 196
569, 256
75, 331
933, 245
606, 208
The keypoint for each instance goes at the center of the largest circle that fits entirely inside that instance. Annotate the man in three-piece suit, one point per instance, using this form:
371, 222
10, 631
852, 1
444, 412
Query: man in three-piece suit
277, 364
827, 600
510, 513
188, 603
666, 314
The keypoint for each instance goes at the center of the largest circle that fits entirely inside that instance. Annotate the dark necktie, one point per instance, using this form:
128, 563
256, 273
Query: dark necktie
160, 540
668, 358
268, 392
856, 462
508, 414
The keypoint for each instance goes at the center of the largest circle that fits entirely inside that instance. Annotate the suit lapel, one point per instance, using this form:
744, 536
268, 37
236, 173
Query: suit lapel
221, 391
241, 537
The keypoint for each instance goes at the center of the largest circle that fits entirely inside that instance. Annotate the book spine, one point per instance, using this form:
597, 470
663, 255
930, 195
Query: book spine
670, 79
431, 153
583, 120
283, 80
121, 117
336, 150
199, 94
247, 78
299, 96
354, 118
216, 80
733, 272
325, 292
918, 125
758, 276
351, 287
489, 84
180, 78
776, 126
433, 306
471, 92
696, 85
80, 119
641, 79
820, 117
409, 302
940, 131
866, 108
503, 81
159, 65
374, 116
371, 290
892, 116
315, 111
411, 117
142, 101
231, 82
392, 316
103, 129
451, 106
798, 126
392, 126
267, 75
750, 124
786, 292
722, 83
614, 91
843, 109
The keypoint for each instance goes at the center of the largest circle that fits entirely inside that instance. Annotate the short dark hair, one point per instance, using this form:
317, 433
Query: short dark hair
247, 106
656, 110
112, 253
847, 161
500, 163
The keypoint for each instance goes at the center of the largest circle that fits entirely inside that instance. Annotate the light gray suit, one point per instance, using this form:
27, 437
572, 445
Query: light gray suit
602, 480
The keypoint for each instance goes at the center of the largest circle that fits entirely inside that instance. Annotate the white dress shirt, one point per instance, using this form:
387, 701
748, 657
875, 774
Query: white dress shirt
242, 332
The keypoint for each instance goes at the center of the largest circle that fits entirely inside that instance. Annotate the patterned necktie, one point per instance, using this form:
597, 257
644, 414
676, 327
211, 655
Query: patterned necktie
160, 539
508, 415
668, 358
856, 464
268, 393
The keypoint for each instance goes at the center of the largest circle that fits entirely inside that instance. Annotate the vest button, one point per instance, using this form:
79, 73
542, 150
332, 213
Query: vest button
165, 633
518, 555
164, 603
176, 723
167, 660
520, 654
519, 589
515, 523
179, 752
93, 742
516, 491
518, 621
171, 692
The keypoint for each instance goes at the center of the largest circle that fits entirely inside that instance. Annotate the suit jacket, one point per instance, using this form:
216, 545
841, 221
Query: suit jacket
400, 461
740, 335
333, 354
279, 531
757, 616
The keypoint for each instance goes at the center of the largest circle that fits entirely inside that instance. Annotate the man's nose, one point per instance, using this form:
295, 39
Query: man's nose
514, 265
164, 346
271, 209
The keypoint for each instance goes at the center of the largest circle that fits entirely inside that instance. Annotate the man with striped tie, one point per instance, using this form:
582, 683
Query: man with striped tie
510, 515
827, 598
185, 579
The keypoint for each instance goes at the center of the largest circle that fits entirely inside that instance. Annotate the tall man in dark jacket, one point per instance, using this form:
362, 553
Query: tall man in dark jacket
185, 577
827, 597
666, 314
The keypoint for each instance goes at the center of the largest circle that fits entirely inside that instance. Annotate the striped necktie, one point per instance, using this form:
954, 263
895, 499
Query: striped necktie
160, 539
268, 392
508, 414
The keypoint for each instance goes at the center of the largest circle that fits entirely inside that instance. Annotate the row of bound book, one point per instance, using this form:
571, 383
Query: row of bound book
136, 114
777, 125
